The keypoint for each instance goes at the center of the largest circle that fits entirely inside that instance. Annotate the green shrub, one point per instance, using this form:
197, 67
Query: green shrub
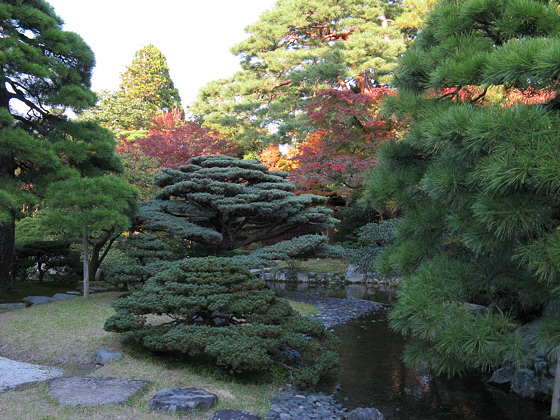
374, 238
213, 307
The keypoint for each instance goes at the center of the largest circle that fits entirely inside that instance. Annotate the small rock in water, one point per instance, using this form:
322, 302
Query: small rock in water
365, 414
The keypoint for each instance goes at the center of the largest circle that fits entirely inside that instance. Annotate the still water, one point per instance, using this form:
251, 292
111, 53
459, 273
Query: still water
374, 375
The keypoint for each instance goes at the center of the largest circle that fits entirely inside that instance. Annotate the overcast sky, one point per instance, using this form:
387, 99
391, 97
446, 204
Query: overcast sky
195, 36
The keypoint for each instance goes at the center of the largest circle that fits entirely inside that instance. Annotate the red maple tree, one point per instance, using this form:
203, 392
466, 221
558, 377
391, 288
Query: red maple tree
172, 141
344, 132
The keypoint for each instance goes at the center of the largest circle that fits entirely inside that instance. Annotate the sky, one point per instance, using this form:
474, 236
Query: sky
195, 36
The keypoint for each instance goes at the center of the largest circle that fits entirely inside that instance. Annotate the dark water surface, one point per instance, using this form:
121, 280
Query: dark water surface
374, 375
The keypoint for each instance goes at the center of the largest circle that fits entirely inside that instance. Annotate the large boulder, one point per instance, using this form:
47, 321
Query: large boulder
182, 399
354, 275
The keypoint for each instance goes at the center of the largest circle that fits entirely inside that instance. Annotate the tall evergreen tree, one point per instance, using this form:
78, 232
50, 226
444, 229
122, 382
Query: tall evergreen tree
43, 72
294, 51
477, 178
148, 79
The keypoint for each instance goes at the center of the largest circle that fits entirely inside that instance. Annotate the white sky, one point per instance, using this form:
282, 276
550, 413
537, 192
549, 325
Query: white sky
195, 36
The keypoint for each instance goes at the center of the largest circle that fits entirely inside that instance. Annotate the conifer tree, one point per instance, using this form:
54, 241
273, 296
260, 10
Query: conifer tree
43, 72
148, 79
226, 203
295, 51
477, 179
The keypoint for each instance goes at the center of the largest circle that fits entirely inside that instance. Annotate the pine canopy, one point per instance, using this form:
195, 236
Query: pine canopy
477, 179
227, 203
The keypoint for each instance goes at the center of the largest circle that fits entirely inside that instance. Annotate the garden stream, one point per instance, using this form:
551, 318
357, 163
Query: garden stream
374, 375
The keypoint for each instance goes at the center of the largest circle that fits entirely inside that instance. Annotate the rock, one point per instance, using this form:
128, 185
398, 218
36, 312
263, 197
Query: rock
353, 275
93, 289
234, 415
71, 292
182, 399
94, 391
365, 414
5, 307
525, 383
38, 300
104, 355
302, 277
355, 291
503, 375
60, 296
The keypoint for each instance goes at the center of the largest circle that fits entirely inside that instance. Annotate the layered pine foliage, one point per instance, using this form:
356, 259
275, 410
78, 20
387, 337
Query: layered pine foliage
215, 308
477, 177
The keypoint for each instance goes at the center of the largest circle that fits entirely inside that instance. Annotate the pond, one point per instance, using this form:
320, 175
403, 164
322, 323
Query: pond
374, 375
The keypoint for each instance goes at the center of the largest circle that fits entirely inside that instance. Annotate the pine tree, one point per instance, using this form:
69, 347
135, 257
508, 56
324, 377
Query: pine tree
225, 203
43, 72
477, 179
295, 51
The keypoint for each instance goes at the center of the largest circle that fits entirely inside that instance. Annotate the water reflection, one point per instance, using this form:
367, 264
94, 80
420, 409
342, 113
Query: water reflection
374, 376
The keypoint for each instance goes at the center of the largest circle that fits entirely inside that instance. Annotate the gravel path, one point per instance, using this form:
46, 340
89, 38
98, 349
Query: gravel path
14, 373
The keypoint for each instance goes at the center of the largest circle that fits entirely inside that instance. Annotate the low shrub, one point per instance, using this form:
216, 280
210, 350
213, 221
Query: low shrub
213, 307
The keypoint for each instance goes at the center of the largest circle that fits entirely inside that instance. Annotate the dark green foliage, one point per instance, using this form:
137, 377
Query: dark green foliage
211, 306
143, 252
300, 247
477, 180
227, 203
46, 256
373, 237
44, 71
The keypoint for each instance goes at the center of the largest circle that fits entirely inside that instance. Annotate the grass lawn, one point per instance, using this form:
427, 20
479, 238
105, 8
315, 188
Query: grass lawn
67, 333
319, 266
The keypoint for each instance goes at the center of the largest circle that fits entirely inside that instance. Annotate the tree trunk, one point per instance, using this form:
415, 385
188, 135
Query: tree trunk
7, 249
555, 408
7, 231
86, 265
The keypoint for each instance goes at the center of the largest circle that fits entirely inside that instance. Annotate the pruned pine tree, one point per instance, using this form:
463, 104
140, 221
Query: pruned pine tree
215, 308
477, 179
227, 203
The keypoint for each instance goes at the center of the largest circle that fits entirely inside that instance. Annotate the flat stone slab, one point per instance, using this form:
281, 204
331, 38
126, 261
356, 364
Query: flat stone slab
60, 296
94, 391
182, 399
38, 300
234, 415
5, 307
14, 373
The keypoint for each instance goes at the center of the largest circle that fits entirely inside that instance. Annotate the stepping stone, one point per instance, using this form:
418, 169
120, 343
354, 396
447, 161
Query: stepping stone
182, 399
5, 307
94, 391
71, 292
234, 415
38, 300
60, 296
104, 355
